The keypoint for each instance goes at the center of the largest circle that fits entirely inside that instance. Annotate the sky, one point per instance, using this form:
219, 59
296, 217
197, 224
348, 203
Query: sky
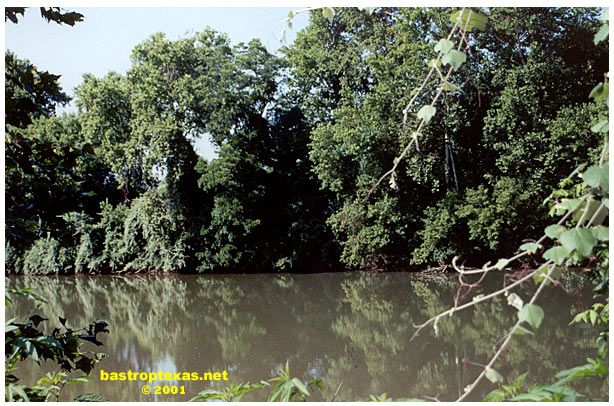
104, 41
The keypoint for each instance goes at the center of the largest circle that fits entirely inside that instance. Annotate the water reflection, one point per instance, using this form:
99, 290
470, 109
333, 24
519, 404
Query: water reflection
352, 330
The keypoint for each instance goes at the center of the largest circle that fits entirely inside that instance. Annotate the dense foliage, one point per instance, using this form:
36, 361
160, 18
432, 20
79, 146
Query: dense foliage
63, 347
301, 140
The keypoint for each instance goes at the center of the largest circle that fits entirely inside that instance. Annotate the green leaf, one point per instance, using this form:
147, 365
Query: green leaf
493, 376
50, 341
599, 92
80, 379
19, 389
434, 63
300, 386
502, 263
497, 395
597, 176
580, 239
540, 275
451, 87
593, 315
531, 247
444, 46
515, 301
329, 13
532, 314
31, 350
522, 331
426, 113
557, 254
554, 231
602, 33
454, 58
476, 20
570, 204
601, 233
601, 127
10, 327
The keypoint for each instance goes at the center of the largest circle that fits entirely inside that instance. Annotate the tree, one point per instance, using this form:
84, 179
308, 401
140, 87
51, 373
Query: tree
29, 93
49, 168
365, 66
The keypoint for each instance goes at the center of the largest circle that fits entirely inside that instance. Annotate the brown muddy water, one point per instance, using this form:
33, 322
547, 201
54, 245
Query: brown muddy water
351, 330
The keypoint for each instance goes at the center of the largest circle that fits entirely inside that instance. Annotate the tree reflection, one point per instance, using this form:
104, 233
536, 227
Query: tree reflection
351, 330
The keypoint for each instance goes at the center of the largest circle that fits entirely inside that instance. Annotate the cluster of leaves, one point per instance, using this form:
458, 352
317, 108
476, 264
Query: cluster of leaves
559, 391
284, 388
55, 14
63, 346
577, 237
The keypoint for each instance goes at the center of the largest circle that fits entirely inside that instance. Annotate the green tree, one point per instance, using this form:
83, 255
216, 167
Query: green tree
29, 93
520, 83
50, 169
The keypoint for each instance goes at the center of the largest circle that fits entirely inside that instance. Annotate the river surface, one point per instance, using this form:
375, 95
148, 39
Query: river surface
351, 330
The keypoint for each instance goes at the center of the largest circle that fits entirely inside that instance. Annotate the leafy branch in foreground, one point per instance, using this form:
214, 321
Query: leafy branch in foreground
284, 388
48, 13
448, 53
574, 244
63, 346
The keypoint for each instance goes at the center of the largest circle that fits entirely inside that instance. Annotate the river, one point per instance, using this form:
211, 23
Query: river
350, 329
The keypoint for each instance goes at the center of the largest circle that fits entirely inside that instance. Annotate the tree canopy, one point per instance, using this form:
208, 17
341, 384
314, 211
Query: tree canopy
301, 139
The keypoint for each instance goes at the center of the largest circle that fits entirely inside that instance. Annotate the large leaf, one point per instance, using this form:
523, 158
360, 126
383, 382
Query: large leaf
454, 58
493, 376
451, 87
602, 33
597, 176
502, 263
50, 341
300, 386
602, 233
571, 204
599, 92
426, 113
498, 395
601, 127
532, 314
579, 239
515, 301
444, 46
556, 254
554, 231
476, 20
531, 247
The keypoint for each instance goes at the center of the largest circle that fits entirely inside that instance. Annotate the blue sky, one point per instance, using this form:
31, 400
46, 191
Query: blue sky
104, 41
